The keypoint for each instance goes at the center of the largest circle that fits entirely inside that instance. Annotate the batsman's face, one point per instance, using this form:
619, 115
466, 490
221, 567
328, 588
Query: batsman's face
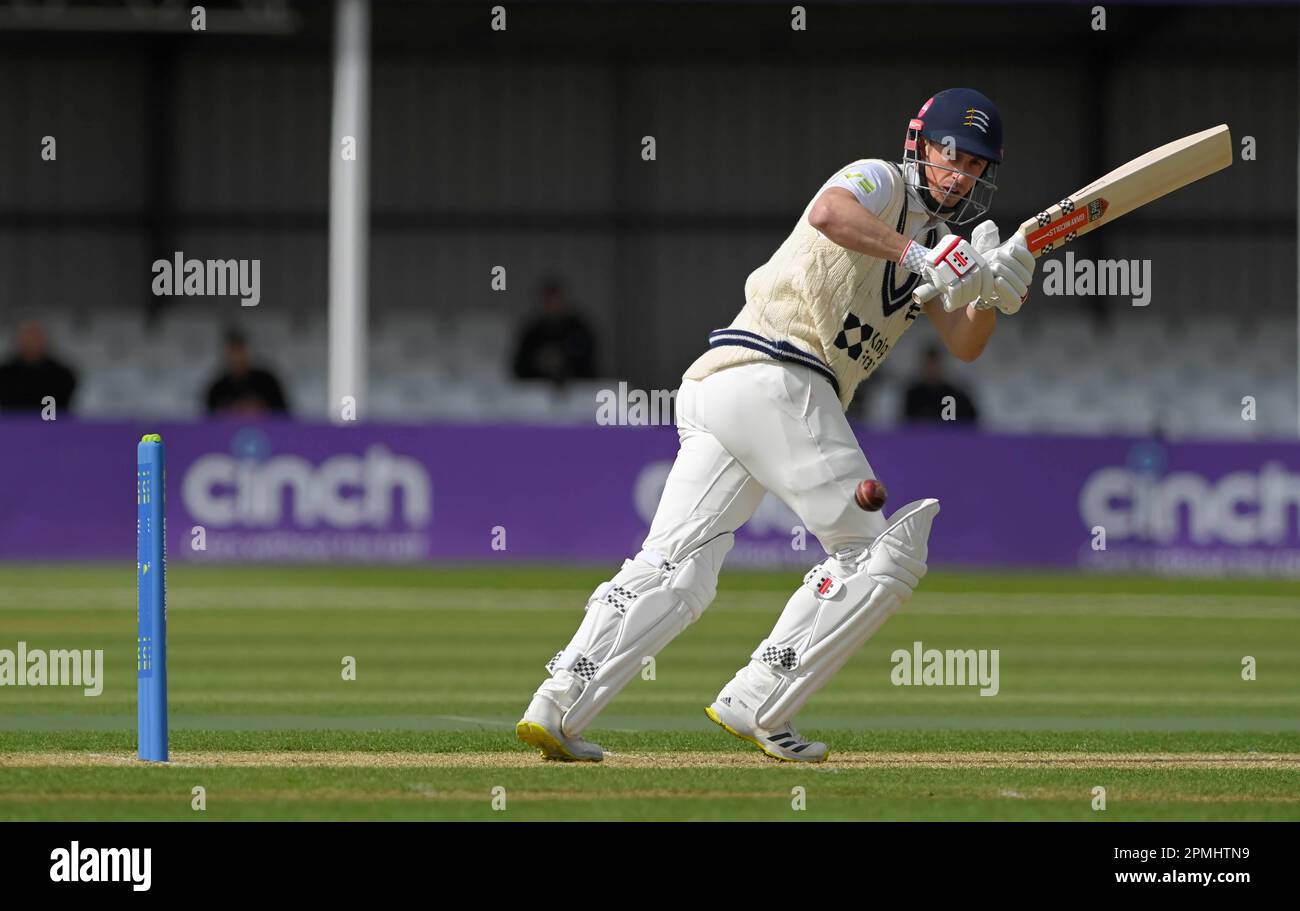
950, 179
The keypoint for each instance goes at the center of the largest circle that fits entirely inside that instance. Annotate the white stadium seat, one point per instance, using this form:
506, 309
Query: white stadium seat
1145, 372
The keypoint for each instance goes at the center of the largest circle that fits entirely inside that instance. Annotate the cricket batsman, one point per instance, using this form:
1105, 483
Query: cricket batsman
763, 410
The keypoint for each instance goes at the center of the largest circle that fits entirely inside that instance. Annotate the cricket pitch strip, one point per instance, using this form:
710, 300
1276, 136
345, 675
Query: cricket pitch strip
651, 760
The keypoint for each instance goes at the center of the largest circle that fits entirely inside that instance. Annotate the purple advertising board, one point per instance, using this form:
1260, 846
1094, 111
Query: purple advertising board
291, 492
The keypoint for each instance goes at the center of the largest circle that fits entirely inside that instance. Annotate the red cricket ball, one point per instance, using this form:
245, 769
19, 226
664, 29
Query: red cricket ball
870, 495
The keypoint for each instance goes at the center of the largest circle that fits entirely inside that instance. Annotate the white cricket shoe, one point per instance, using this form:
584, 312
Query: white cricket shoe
542, 727
783, 743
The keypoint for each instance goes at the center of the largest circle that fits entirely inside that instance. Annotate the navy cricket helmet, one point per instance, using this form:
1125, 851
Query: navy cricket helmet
968, 121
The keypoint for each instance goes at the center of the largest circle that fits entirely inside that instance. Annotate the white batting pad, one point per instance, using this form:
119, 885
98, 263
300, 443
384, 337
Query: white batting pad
630, 618
839, 606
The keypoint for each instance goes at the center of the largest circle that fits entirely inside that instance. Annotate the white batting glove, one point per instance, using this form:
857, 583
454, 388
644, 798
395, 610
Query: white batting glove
985, 237
1011, 265
954, 268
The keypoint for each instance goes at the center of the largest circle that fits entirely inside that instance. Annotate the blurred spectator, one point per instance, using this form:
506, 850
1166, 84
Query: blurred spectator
558, 345
926, 394
242, 389
31, 374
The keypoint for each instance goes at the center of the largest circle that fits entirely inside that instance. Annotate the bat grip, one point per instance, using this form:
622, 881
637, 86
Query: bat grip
924, 292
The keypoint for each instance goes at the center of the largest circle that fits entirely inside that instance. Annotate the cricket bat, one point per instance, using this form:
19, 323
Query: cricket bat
1128, 187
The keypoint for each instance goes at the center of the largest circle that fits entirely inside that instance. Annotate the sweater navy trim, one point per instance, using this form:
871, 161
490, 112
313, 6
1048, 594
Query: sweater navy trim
779, 350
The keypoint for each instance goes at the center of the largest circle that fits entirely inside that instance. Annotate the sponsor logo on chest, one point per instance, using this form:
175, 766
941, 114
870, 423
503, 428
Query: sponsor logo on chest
864, 343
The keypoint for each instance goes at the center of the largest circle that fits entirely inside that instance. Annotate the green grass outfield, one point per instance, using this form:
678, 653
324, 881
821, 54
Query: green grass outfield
1129, 684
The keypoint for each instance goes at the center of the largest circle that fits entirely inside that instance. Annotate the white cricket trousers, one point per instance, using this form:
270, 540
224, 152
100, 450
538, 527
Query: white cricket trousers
760, 427
744, 431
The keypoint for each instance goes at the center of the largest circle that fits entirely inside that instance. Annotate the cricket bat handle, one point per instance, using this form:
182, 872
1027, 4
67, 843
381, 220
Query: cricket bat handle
924, 292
